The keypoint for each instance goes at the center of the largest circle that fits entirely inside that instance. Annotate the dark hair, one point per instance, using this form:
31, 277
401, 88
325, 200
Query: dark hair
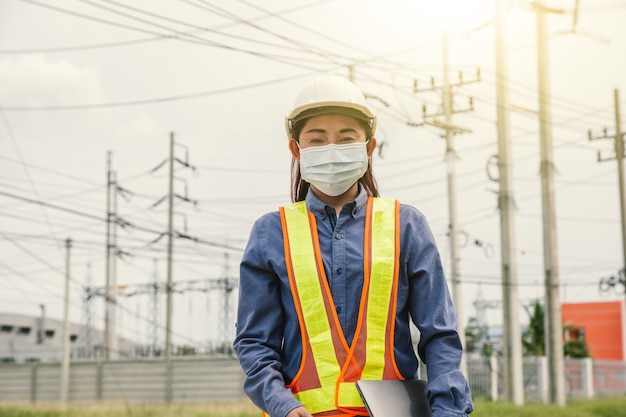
300, 187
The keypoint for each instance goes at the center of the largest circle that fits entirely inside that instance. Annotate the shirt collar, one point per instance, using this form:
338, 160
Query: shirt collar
318, 207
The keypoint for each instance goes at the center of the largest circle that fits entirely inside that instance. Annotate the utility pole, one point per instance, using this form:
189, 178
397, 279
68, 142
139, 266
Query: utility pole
453, 230
112, 302
513, 370
170, 236
619, 155
450, 131
65, 361
110, 309
170, 244
107, 266
553, 319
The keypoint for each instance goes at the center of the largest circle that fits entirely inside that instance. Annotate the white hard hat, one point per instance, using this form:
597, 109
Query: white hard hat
330, 94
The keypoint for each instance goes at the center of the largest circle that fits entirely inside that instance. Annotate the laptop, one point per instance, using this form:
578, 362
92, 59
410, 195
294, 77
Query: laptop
393, 398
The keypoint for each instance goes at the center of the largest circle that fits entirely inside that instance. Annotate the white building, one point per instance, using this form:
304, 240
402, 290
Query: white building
39, 339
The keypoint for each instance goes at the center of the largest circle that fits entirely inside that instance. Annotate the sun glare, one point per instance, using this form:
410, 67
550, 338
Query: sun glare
452, 16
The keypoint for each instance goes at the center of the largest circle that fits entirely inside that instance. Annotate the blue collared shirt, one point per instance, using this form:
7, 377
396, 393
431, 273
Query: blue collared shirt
268, 342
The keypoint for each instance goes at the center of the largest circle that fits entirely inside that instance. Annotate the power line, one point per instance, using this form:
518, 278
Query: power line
301, 45
136, 41
50, 171
154, 100
26, 170
175, 35
123, 223
177, 21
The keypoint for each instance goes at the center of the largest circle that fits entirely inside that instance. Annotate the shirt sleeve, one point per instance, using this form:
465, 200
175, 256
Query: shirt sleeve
433, 313
259, 333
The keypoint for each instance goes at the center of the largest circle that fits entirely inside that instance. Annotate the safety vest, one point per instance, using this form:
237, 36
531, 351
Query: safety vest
329, 369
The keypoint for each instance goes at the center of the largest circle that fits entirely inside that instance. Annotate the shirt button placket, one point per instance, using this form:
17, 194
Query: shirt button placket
339, 259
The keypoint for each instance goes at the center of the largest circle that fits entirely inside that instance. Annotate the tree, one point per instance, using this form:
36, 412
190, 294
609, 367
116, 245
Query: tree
575, 346
477, 337
575, 349
533, 338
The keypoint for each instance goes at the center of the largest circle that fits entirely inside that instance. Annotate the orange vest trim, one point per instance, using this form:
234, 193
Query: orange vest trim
329, 368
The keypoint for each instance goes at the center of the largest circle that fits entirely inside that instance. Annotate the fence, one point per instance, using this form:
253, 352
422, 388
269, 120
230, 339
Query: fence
584, 378
150, 381
207, 379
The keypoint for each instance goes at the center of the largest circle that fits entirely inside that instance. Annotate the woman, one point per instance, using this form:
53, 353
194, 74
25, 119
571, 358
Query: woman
329, 284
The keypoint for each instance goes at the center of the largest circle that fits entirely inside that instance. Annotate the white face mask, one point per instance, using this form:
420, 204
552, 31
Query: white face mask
333, 169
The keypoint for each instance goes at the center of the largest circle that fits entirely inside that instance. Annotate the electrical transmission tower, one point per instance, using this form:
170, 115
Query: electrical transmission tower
88, 315
481, 305
155, 329
154, 289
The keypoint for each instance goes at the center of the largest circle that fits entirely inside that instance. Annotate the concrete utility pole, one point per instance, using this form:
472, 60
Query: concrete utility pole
513, 370
112, 300
453, 224
619, 155
110, 309
65, 360
107, 264
170, 237
453, 229
170, 245
553, 319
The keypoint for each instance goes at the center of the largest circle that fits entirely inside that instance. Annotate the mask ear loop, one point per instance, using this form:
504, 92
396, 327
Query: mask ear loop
367, 143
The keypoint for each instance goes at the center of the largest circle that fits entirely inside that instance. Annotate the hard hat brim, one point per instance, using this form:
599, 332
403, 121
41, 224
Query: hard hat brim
333, 108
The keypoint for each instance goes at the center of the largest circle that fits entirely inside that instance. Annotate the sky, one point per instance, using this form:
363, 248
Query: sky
84, 79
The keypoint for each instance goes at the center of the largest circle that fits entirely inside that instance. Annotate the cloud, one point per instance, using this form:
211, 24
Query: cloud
33, 80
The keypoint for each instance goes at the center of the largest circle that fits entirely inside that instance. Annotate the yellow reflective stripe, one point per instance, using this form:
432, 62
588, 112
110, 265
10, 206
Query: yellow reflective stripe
310, 294
311, 298
349, 395
316, 400
381, 284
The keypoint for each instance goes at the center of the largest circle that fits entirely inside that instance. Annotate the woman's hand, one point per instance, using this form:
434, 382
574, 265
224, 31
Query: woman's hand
299, 412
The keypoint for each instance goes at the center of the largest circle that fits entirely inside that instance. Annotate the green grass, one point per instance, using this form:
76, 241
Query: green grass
130, 410
603, 407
